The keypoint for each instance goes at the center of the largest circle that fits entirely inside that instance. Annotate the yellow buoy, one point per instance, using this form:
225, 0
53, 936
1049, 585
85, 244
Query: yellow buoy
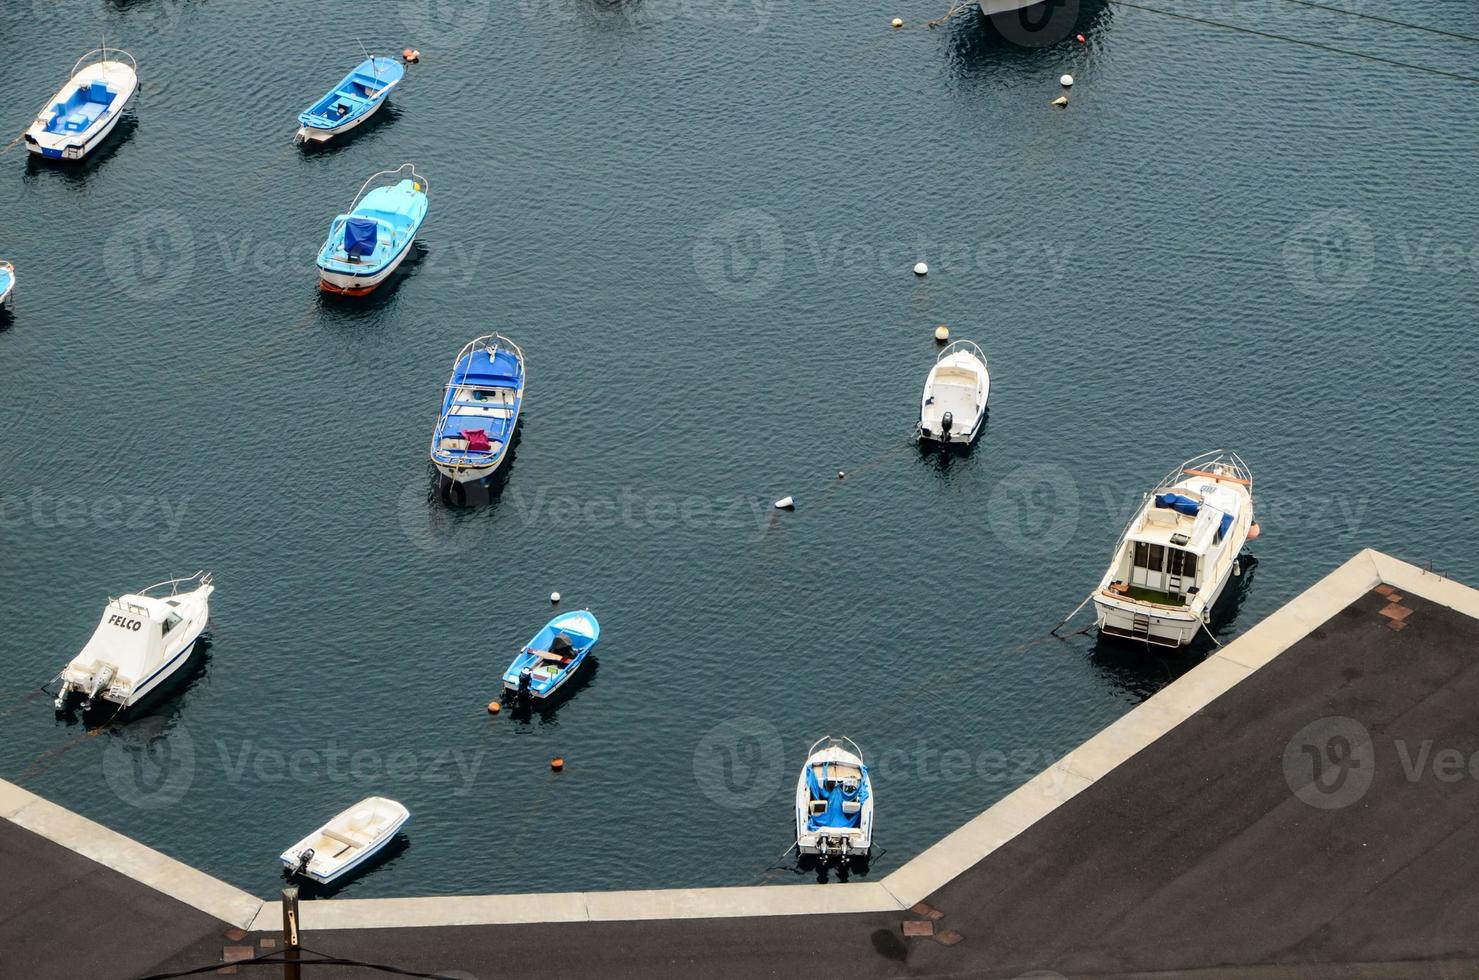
1061, 101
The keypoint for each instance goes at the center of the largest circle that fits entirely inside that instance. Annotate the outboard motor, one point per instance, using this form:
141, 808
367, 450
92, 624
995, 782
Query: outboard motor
100, 682
525, 676
946, 422
303, 859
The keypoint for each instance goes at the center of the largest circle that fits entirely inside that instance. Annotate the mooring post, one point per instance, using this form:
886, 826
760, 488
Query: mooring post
290, 968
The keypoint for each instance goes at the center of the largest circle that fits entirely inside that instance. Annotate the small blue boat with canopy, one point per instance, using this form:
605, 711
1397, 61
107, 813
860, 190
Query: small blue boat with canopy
480, 409
554, 655
834, 802
369, 241
355, 99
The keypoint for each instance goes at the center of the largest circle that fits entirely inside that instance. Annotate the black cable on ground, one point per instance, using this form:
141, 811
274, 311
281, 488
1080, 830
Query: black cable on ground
277, 957
1295, 40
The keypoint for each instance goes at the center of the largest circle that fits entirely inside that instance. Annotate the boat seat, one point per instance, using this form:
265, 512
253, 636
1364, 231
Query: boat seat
817, 808
851, 807
335, 835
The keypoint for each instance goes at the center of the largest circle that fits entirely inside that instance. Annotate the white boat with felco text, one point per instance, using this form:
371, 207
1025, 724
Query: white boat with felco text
143, 639
1179, 552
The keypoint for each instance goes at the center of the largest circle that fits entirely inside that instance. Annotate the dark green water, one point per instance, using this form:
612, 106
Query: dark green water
698, 219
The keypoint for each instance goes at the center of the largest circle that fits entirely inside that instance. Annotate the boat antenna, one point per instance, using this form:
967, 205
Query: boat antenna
368, 57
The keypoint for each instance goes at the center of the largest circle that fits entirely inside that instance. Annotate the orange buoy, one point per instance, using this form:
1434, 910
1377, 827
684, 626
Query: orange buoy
411, 55
1253, 532
1082, 39
557, 763
494, 707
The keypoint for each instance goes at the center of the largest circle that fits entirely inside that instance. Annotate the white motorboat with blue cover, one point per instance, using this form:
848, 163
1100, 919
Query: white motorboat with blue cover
834, 802
355, 99
480, 408
554, 655
1178, 553
144, 638
955, 394
346, 842
7, 285
366, 244
86, 109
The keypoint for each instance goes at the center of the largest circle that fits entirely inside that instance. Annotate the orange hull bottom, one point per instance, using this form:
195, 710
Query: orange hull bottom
341, 291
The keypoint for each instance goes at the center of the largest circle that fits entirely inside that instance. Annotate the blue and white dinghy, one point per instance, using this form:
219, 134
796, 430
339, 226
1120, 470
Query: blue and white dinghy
358, 97
143, 638
7, 285
834, 802
479, 409
86, 109
366, 244
553, 656
347, 841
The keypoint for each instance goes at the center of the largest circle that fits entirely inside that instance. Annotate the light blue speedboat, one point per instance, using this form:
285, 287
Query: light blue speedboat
479, 409
7, 284
355, 99
553, 656
369, 242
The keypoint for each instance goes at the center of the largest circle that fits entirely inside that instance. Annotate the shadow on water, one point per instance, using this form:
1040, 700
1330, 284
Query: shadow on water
979, 44
1141, 669
308, 889
525, 711
160, 706
77, 171
337, 308
387, 114
479, 493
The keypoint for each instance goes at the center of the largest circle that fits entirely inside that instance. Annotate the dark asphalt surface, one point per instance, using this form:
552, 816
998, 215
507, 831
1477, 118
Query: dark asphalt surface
1217, 852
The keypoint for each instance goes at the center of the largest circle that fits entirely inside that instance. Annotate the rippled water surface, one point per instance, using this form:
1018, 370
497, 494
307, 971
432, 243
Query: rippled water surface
698, 219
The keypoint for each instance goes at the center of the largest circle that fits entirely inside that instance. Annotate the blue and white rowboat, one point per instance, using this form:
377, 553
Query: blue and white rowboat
86, 109
346, 842
356, 98
480, 409
553, 656
367, 243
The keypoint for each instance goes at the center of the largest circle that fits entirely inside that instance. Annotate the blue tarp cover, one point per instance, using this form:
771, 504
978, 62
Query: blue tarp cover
1178, 503
834, 817
359, 236
1227, 522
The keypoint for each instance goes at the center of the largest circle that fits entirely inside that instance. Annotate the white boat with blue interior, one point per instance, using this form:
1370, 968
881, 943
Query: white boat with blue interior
86, 109
480, 408
834, 802
1178, 553
142, 640
357, 97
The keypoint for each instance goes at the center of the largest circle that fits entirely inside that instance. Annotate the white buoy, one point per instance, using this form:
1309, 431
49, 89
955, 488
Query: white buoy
920, 269
897, 22
786, 503
841, 474
942, 333
554, 598
1066, 81
1061, 101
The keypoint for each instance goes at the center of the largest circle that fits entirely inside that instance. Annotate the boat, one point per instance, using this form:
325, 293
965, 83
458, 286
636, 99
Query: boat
480, 408
1179, 552
7, 285
143, 638
356, 98
554, 655
347, 841
955, 393
834, 802
366, 244
86, 109
992, 7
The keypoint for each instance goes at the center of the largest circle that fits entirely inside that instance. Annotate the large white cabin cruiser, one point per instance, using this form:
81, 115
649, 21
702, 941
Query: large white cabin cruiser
1179, 552
143, 639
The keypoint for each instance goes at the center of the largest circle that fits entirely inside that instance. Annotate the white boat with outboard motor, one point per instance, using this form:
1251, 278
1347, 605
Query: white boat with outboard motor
1179, 552
347, 841
85, 110
955, 394
834, 802
143, 638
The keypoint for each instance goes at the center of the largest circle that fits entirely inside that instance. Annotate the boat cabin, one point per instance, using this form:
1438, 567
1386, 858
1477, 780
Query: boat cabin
1170, 551
129, 639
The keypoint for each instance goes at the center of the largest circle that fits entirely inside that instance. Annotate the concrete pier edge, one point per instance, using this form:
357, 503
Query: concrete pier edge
918, 878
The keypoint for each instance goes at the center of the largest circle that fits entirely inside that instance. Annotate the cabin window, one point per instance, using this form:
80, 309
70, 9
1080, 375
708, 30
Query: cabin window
171, 623
1182, 563
1149, 556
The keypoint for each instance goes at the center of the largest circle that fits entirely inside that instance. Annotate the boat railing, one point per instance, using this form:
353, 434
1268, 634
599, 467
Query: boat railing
835, 740
492, 343
103, 53
6, 266
968, 346
199, 580
424, 185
